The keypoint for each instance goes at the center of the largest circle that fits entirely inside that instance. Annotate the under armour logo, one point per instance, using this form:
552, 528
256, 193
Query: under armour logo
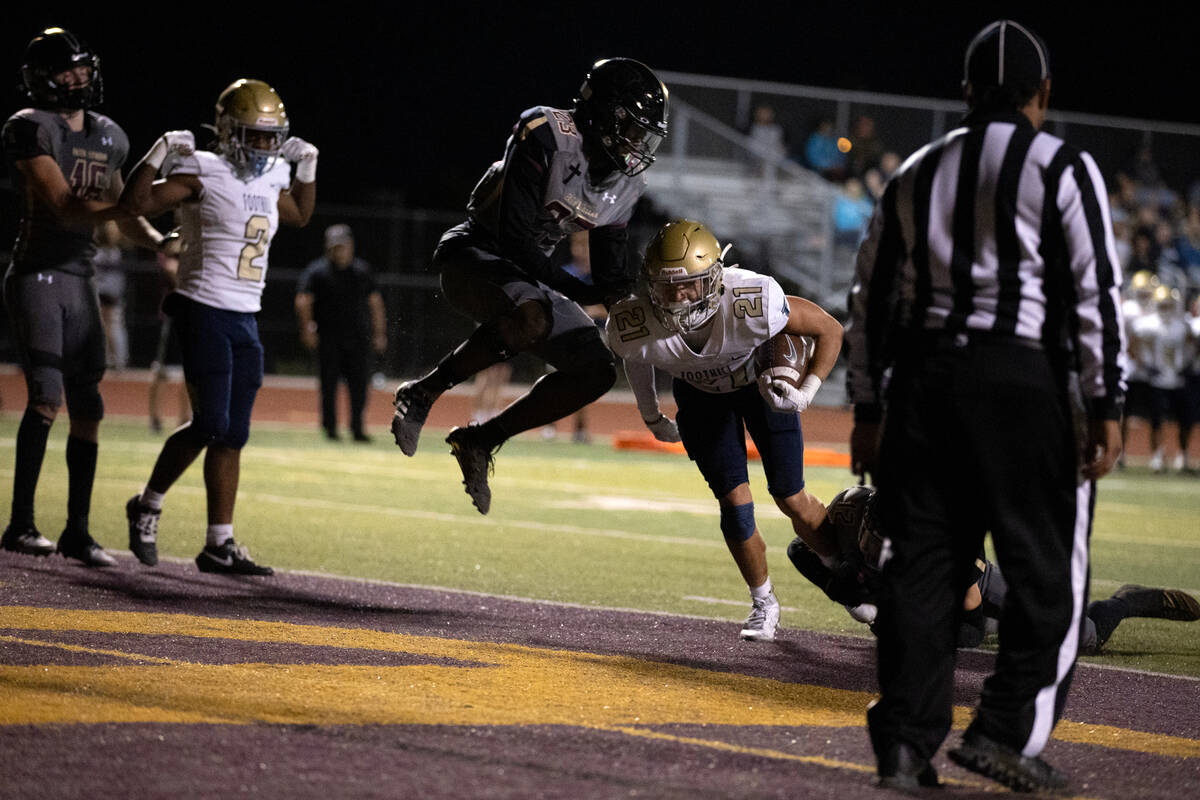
106, 140
572, 172
44, 277
611, 199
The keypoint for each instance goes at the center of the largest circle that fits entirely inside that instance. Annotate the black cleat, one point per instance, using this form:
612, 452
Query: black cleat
230, 558
143, 530
1170, 604
903, 770
26, 540
412, 404
80, 546
476, 462
1003, 764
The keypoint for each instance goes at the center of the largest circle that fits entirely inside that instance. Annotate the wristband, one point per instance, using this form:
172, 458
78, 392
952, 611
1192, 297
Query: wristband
158, 153
306, 170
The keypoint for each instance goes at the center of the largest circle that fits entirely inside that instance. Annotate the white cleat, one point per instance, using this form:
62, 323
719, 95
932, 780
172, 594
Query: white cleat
763, 620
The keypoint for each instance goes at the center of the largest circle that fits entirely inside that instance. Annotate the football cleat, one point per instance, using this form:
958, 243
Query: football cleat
763, 620
230, 558
143, 530
476, 462
412, 407
1173, 604
80, 546
26, 540
1007, 766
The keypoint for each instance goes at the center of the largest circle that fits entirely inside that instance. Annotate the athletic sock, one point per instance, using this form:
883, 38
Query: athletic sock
761, 592
151, 499
32, 435
217, 535
492, 434
81, 476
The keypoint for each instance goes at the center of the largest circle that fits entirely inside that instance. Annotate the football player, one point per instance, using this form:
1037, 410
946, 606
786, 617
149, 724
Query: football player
65, 161
563, 170
864, 549
228, 203
1136, 307
700, 322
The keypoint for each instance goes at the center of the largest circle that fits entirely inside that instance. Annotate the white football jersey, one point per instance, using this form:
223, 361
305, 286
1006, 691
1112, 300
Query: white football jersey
227, 231
752, 310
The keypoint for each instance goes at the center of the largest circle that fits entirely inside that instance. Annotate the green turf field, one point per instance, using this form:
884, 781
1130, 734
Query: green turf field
571, 523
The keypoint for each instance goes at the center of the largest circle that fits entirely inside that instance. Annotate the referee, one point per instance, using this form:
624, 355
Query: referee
986, 297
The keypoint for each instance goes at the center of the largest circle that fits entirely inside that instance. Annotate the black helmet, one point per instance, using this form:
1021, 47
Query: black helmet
52, 51
622, 109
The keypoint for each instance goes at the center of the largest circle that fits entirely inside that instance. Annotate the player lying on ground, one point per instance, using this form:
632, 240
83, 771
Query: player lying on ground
702, 322
863, 548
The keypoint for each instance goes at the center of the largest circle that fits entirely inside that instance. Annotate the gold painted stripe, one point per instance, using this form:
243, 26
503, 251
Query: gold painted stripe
513, 685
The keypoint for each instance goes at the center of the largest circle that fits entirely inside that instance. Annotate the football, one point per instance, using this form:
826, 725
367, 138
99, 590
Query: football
785, 357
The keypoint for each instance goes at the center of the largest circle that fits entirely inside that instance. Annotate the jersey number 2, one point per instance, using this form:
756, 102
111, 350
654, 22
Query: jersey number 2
256, 230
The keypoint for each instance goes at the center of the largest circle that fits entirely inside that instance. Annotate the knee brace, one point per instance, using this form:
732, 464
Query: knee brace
523, 327
737, 522
83, 397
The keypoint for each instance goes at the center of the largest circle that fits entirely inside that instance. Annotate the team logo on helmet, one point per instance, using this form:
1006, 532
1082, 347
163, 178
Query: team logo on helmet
682, 268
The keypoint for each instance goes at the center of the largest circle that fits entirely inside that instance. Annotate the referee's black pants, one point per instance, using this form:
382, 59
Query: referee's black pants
978, 438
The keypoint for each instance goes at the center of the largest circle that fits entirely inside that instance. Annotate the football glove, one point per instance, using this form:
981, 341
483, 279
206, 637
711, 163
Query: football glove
781, 396
663, 428
303, 155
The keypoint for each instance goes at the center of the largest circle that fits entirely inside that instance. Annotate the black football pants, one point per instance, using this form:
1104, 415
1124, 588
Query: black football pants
978, 439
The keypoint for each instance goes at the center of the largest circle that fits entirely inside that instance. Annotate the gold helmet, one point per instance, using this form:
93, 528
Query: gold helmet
682, 269
1143, 283
1168, 299
251, 125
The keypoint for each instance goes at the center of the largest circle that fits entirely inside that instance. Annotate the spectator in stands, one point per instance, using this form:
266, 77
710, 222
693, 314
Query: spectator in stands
851, 212
889, 162
866, 149
767, 138
1187, 245
821, 152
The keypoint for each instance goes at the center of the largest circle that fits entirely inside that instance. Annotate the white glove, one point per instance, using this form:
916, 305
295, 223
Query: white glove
663, 428
181, 143
781, 396
303, 155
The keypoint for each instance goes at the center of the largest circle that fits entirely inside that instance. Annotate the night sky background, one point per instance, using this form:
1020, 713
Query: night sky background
413, 104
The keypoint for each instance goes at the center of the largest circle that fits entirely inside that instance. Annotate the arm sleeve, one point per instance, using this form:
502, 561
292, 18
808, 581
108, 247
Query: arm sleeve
641, 381
610, 269
521, 202
870, 304
1100, 332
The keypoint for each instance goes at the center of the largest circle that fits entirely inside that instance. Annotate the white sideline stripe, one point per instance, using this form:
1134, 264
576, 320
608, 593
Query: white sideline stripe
723, 602
481, 520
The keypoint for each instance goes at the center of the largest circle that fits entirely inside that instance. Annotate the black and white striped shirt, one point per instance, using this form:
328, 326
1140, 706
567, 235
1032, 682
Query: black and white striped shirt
998, 228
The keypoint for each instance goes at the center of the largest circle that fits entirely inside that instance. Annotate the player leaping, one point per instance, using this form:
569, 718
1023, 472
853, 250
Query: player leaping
701, 322
562, 171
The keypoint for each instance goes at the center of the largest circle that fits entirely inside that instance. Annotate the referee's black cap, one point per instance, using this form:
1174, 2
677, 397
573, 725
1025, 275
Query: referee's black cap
1006, 53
